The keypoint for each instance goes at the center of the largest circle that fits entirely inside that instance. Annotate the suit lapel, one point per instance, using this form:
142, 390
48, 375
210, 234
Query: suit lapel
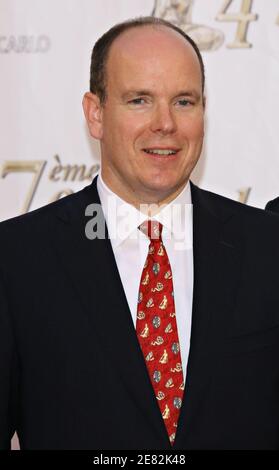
217, 246
91, 267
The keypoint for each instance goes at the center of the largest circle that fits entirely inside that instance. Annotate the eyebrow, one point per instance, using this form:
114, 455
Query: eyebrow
135, 92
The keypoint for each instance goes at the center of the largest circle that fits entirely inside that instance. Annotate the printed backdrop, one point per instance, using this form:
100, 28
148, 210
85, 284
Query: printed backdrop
45, 48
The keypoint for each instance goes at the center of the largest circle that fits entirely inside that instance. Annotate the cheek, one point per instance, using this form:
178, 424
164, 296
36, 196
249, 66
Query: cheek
194, 131
125, 127
124, 135
113, 137
132, 127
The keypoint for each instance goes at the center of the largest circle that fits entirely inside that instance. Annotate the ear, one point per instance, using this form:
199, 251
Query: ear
92, 109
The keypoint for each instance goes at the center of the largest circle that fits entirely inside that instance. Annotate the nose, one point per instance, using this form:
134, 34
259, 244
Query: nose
163, 121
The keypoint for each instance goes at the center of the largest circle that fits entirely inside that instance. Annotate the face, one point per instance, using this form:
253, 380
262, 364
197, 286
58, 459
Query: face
152, 124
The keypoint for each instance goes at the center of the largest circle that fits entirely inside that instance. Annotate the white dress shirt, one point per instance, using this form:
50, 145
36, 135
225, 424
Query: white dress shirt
130, 248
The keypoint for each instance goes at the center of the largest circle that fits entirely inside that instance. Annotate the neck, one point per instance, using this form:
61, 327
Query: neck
148, 202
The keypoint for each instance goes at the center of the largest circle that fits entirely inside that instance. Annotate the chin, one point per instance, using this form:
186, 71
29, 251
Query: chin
168, 185
161, 191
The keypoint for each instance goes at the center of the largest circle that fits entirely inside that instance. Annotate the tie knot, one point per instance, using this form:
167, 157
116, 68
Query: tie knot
152, 229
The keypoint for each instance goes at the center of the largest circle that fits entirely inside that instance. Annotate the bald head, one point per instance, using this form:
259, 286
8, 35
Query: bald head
155, 48
102, 48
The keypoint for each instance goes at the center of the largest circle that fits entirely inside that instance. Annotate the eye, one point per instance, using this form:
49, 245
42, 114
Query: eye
137, 101
184, 102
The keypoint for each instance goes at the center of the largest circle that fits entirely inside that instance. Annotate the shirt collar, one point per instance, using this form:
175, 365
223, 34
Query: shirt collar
123, 219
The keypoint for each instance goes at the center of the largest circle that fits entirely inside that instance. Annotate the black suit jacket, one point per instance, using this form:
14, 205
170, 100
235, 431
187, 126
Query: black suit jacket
273, 205
72, 372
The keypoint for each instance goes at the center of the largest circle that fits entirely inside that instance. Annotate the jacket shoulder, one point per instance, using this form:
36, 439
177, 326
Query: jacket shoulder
273, 205
256, 221
219, 201
41, 216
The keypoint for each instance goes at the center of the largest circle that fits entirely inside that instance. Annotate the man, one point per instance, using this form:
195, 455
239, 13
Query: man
79, 361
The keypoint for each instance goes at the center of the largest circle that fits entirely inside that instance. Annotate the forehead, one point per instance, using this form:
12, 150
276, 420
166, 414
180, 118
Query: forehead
154, 55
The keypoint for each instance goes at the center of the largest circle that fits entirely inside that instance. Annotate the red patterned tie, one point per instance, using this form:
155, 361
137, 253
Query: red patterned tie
157, 330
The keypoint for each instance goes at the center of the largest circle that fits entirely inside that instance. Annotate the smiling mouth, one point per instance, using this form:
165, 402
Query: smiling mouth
161, 152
